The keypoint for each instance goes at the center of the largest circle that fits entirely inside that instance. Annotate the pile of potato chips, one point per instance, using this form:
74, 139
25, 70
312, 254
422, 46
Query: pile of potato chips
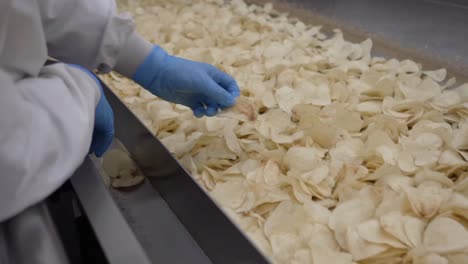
331, 155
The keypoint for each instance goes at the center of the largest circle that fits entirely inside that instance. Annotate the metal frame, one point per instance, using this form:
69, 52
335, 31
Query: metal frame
31, 237
112, 231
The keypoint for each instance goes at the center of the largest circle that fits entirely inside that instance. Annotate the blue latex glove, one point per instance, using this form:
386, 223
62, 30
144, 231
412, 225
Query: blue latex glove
200, 86
103, 132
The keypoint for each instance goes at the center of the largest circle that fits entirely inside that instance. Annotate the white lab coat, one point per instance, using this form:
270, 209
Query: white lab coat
47, 113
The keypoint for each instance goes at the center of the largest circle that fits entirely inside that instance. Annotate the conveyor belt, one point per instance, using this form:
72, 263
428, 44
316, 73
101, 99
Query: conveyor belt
169, 219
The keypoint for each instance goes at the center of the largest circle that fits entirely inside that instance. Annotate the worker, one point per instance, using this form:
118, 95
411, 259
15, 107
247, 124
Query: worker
53, 115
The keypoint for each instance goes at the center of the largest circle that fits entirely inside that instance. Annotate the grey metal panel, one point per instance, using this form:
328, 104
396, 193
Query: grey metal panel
134, 225
30, 237
162, 236
112, 231
432, 32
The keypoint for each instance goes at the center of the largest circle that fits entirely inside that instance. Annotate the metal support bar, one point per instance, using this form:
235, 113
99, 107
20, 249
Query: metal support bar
31, 237
112, 231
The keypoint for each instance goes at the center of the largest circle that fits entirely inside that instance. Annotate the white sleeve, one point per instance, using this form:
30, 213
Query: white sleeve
46, 125
92, 34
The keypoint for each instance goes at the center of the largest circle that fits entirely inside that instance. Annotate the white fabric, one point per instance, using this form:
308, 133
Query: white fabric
47, 113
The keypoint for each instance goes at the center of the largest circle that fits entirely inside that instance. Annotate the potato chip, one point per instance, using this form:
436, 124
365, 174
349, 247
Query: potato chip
348, 120
301, 256
232, 142
347, 150
214, 124
391, 202
311, 93
121, 169
346, 215
244, 108
436, 75
230, 194
287, 98
447, 99
428, 175
317, 213
379, 143
286, 218
325, 255
303, 158
179, 145
445, 235
413, 229
361, 249
371, 231
369, 107
283, 246
318, 236
457, 258
274, 121
406, 162
451, 158
425, 200
395, 224
430, 258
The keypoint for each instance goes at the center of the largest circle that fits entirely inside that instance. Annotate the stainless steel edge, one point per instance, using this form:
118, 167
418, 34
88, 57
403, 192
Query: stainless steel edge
162, 236
216, 235
112, 231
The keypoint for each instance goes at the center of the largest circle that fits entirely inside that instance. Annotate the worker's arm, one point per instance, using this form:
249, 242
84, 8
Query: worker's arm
46, 126
92, 34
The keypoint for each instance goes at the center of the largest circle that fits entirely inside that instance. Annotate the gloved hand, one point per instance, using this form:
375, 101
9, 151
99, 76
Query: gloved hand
200, 86
103, 121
